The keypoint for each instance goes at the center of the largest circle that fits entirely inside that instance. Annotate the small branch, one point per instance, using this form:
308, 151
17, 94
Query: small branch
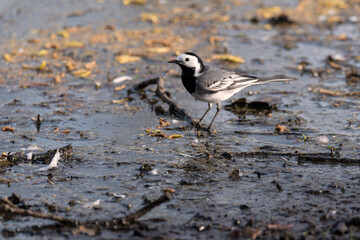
319, 158
145, 84
268, 133
6, 206
174, 108
131, 218
326, 159
9, 207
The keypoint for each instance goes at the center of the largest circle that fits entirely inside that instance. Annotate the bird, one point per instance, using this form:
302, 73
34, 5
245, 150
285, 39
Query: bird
212, 84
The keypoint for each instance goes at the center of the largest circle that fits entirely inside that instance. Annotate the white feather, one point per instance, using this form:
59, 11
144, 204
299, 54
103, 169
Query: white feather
53, 163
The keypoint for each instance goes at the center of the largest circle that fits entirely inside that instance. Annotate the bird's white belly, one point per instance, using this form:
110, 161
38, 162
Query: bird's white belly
215, 97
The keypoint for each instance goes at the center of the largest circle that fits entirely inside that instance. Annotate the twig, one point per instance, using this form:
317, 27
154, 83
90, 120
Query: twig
303, 157
131, 218
174, 109
145, 84
267, 133
6, 206
5, 180
326, 159
9, 207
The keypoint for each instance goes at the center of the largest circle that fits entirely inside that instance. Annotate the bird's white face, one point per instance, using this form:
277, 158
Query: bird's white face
189, 61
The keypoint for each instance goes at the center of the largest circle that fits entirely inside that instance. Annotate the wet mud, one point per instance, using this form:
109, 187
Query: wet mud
282, 160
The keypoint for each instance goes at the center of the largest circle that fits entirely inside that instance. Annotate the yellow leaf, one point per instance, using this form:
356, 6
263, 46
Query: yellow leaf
74, 44
224, 18
158, 50
42, 66
121, 101
126, 59
128, 2
172, 136
8, 58
81, 73
90, 65
267, 26
149, 17
229, 58
158, 30
69, 66
120, 87
63, 33
334, 19
269, 12
42, 52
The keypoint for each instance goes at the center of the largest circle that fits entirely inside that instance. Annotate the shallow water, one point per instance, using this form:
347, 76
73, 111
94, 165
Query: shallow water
110, 142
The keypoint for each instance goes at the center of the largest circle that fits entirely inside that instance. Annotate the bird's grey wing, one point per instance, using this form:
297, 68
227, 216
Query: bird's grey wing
217, 79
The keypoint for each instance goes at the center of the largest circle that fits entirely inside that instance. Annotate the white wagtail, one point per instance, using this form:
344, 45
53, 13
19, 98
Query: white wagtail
211, 84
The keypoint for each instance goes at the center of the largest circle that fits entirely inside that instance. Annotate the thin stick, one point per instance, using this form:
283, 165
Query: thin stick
174, 109
11, 208
303, 157
131, 218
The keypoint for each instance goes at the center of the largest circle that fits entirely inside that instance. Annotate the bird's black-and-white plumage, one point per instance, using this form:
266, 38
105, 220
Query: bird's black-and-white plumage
211, 84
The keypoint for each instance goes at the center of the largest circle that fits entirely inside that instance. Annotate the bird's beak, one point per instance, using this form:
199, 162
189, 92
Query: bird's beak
173, 61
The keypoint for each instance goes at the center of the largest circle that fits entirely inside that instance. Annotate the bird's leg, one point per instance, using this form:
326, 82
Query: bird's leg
197, 125
218, 108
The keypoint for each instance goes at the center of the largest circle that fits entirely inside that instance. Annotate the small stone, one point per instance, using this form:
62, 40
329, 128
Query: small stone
341, 228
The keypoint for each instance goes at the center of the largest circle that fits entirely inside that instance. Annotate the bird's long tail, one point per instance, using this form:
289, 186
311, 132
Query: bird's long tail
274, 79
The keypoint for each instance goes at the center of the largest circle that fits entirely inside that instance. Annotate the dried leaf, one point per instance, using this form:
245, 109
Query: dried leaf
126, 59
8, 58
7, 129
63, 33
229, 58
281, 128
66, 131
82, 73
120, 87
163, 123
215, 39
172, 136
57, 78
99, 38
158, 50
84, 230
121, 101
279, 227
128, 2
170, 190
74, 44
77, 29
222, 18
158, 134
42, 66
51, 45
90, 65
69, 66
152, 17
269, 12
267, 26
42, 52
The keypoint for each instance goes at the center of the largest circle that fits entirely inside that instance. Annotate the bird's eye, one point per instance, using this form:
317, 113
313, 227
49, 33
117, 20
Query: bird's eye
187, 59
